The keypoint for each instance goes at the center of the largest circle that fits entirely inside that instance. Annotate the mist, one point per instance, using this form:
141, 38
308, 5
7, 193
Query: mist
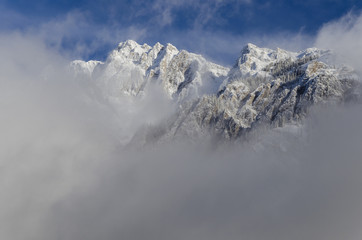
66, 173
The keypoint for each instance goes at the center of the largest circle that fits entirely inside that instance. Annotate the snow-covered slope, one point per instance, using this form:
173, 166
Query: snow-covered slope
265, 86
131, 67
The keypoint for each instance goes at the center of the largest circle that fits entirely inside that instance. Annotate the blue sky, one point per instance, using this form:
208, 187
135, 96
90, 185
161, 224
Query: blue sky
215, 28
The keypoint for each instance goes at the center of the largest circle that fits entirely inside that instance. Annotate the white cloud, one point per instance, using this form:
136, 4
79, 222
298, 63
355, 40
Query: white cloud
344, 37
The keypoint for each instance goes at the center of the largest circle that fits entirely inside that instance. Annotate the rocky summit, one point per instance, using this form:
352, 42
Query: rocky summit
265, 87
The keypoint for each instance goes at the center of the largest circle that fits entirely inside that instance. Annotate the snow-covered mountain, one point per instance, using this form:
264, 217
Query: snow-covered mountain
131, 67
264, 87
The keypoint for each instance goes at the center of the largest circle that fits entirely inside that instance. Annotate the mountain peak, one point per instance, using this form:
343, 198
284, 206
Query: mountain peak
158, 45
132, 45
170, 46
128, 43
248, 48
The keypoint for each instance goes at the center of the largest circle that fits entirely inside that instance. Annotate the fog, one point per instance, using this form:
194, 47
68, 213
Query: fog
65, 173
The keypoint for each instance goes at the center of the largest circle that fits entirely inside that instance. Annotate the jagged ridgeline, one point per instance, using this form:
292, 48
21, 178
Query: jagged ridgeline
269, 87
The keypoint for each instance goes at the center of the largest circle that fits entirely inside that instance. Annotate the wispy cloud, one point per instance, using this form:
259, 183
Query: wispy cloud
344, 36
205, 11
10, 19
76, 36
